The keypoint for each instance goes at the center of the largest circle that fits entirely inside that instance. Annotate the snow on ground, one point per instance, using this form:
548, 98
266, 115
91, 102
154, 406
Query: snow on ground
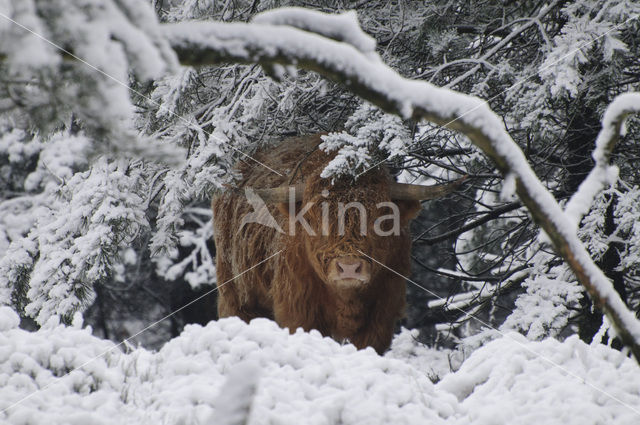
515, 381
209, 374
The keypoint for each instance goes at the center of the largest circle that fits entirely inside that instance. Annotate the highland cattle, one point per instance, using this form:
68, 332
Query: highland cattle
325, 234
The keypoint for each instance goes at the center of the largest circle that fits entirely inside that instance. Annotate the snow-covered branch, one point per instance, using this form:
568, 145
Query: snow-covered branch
207, 43
603, 173
343, 27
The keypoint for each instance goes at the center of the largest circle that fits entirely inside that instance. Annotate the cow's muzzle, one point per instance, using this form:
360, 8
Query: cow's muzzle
349, 271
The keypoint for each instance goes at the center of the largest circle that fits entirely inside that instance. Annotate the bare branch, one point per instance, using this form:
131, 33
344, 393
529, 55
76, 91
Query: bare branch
489, 215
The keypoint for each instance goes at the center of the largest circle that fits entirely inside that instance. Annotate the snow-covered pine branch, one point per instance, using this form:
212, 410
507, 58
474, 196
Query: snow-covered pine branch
207, 43
370, 136
77, 237
77, 64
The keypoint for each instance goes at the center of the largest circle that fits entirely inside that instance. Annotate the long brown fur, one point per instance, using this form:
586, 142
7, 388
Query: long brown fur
292, 287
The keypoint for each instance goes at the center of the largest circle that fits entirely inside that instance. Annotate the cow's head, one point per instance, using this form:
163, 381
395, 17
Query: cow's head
342, 226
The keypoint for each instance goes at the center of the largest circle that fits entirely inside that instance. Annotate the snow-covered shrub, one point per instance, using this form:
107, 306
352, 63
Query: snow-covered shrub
230, 371
76, 239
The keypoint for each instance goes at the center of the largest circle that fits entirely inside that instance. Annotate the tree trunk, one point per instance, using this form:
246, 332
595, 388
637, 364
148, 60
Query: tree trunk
591, 317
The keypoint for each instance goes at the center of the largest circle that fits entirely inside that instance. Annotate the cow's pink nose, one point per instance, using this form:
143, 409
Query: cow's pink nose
352, 268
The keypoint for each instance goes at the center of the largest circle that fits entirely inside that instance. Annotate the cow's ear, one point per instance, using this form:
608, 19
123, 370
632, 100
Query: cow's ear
408, 210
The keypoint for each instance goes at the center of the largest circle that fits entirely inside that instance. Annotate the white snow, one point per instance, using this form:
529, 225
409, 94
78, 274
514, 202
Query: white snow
228, 369
516, 381
60, 156
340, 27
545, 307
368, 130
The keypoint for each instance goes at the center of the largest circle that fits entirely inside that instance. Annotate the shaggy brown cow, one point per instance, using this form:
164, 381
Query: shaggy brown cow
320, 280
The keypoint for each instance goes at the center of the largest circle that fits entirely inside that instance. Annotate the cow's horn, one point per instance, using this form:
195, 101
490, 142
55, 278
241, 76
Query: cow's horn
280, 194
416, 192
